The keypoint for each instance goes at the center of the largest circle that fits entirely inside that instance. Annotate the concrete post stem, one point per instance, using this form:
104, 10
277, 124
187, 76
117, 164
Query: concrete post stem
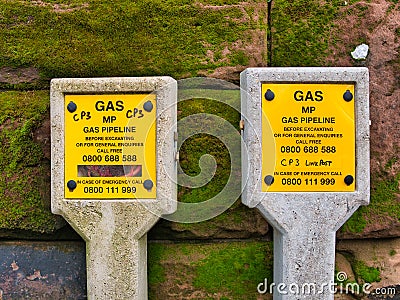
304, 270
118, 273
116, 246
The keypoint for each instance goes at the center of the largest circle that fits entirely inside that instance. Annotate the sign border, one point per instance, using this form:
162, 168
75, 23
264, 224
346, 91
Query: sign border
165, 89
74, 124
265, 103
251, 80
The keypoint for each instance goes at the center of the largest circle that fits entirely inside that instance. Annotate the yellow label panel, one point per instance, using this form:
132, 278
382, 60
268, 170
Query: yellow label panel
308, 137
110, 146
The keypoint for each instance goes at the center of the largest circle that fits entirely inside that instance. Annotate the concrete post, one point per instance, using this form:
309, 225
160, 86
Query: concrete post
304, 244
305, 219
115, 229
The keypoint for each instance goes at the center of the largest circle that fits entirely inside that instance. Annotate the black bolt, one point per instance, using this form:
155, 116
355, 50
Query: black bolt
71, 185
71, 107
148, 184
348, 179
269, 95
348, 96
148, 106
269, 180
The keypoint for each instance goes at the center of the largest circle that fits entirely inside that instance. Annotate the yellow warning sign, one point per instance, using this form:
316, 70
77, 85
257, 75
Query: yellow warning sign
308, 137
110, 146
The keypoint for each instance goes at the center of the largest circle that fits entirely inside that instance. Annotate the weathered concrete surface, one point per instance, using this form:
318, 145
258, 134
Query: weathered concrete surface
40, 270
305, 223
115, 229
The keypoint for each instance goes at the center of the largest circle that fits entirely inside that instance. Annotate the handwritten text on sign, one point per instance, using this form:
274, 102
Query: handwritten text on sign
110, 146
308, 137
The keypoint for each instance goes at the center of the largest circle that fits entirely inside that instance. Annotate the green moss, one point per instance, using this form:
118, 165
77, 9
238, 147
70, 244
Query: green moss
391, 162
236, 269
229, 270
301, 33
31, 106
22, 166
239, 58
383, 204
200, 144
392, 252
228, 220
21, 204
365, 273
155, 269
20, 151
21, 113
216, 114
121, 38
356, 223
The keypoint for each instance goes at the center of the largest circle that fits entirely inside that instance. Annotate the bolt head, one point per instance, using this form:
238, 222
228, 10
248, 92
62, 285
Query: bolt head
348, 180
148, 184
71, 184
72, 107
269, 95
269, 180
348, 96
148, 106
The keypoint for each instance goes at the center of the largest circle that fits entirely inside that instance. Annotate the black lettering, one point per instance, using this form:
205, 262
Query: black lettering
290, 119
298, 95
309, 96
109, 119
110, 106
318, 96
307, 109
119, 105
99, 105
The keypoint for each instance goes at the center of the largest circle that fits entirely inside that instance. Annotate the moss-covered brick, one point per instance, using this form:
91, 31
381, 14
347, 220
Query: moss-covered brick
200, 144
25, 173
364, 273
208, 271
127, 38
384, 204
302, 31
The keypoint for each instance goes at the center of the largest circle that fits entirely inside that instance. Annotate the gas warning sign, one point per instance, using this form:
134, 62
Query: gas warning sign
309, 131
110, 146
